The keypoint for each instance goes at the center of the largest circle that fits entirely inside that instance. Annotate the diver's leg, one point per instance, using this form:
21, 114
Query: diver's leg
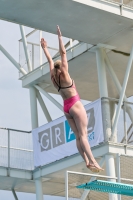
79, 115
74, 129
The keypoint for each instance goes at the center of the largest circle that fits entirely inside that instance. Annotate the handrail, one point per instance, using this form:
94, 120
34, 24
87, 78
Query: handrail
10, 129
54, 58
114, 99
10, 147
14, 148
109, 98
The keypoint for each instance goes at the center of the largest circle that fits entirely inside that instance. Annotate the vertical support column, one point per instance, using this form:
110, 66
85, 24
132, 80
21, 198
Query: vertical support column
112, 112
118, 172
110, 170
101, 73
34, 120
110, 167
112, 117
66, 185
103, 93
33, 107
39, 190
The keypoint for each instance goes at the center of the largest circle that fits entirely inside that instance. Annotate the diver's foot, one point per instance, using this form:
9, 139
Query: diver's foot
95, 168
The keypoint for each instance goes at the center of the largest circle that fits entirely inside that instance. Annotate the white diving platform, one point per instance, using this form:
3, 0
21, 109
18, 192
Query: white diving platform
82, 60
53, 174
92, 21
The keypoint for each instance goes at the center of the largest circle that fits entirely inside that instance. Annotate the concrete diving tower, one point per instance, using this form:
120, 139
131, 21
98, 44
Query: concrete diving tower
100, 63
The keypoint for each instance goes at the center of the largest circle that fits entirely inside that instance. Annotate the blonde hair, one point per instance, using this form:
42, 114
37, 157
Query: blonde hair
57, 64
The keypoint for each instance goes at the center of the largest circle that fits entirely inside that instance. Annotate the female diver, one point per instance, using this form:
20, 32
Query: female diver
73, 108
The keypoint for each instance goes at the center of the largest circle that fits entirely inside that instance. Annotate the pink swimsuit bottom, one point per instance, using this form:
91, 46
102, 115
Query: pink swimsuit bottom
68, 103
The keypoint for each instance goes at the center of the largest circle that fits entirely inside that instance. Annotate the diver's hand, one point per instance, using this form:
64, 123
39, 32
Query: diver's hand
43, 43
59, 31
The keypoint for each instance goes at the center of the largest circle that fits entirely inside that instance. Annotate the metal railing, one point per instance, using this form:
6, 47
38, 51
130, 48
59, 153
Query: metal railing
125, 3
37, 57
16, 149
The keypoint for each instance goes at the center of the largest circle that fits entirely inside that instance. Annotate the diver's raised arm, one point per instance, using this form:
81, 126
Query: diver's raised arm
61, 45
62, 50
47, 54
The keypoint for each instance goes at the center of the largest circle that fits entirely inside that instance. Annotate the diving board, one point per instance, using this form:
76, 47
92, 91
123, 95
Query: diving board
109, 187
